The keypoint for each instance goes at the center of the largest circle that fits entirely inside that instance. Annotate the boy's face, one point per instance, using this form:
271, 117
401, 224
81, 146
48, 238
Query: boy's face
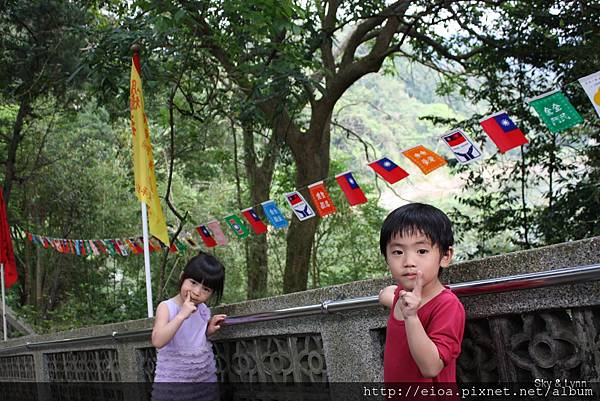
405, 255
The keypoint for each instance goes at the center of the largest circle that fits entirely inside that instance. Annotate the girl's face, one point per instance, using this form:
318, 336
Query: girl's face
199, 293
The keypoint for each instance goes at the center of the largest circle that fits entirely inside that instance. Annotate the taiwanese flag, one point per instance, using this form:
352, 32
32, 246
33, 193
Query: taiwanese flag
388, 170
351, 189
257, 224
7, 256
503, 132
206, 236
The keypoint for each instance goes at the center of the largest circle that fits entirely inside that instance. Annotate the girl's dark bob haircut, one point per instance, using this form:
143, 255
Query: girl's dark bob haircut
207, 270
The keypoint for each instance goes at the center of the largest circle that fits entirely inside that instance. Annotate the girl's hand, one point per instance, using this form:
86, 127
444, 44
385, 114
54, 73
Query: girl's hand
188, 307
410, 301
214, 324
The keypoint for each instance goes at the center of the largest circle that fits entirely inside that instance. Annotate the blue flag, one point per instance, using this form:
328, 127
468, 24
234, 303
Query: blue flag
274, 214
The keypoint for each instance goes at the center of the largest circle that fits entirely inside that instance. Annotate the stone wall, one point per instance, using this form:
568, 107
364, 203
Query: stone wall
549, 332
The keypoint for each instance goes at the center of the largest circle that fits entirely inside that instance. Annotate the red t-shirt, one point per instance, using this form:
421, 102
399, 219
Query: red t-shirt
443, 319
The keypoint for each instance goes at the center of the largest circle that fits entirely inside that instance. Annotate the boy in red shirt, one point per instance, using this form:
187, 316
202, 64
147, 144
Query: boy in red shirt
426, 323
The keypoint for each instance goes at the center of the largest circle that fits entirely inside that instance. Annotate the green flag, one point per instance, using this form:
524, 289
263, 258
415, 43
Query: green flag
237, 226
556, 111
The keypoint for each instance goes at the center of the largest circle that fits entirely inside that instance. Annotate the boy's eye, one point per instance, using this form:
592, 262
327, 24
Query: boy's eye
422, 251
397, 252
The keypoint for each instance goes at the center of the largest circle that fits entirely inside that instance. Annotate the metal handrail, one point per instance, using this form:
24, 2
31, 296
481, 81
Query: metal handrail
478, 287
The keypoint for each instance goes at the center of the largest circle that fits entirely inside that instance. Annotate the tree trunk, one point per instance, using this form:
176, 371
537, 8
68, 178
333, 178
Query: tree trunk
259, 180
312, 161
13, 146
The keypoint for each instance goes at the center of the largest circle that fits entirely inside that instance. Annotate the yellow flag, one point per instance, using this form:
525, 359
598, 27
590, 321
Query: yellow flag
143, 163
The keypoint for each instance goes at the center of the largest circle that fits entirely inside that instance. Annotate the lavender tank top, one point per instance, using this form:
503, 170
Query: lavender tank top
188, 357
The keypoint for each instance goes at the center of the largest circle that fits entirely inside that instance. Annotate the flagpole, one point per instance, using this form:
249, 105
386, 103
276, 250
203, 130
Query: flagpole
146, 261
3, 302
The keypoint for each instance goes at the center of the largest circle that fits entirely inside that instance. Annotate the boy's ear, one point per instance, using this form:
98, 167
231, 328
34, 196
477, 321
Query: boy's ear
447, 258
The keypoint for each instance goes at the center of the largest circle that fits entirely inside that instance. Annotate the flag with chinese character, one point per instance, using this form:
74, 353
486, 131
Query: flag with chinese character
7, 255
143, 162
237, 226
257, 224
555, 111
218, 234
388, 170
425, 159
274, 215
299, 206
206, 236
502, 131
353, 193
591, 86
321, 199
463, 148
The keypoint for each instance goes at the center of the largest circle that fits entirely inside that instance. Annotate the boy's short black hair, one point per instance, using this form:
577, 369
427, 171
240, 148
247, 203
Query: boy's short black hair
206, 269
418, 218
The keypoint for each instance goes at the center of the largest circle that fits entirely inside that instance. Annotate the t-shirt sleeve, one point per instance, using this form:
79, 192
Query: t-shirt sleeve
446, 329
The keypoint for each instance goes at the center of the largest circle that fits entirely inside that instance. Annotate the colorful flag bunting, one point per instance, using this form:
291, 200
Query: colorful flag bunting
218, 234
7, 255
425, 159
353, 193
300, 207
274, 215
388, 170
591, 86
101, 246
555, 111
122, 247
206, 236
236, 225
255, 222
321, 199
93, 247
463, 148
143, 161
503, 132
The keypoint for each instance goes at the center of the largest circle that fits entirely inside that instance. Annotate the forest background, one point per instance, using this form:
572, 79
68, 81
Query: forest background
248, 100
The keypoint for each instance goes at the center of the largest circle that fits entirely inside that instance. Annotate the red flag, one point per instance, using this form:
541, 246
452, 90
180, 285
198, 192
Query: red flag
388, 170
7, 255
257, 224
321, 199
351, 189
206, 236
505, 134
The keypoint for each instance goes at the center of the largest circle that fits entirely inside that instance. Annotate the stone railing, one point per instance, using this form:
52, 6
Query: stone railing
551, 332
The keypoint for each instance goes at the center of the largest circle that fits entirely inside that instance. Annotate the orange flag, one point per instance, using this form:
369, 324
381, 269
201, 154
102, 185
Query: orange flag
143, 162
321, 199
424, 158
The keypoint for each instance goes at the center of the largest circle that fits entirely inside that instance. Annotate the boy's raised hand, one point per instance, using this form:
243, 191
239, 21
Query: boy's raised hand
410, 301
214, 324
188, 307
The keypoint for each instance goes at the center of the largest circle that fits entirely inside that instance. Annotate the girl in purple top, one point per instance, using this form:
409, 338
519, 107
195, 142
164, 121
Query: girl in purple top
183, 323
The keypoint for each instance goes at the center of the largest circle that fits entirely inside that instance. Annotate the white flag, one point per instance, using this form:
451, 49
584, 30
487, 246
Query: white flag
301, 208
591, 86
464, 149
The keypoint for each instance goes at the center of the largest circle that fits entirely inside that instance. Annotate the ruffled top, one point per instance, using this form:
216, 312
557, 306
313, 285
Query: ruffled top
188, 357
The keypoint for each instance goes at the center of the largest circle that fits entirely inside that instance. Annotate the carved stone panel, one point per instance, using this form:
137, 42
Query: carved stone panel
17, 368
100, 365
290, 359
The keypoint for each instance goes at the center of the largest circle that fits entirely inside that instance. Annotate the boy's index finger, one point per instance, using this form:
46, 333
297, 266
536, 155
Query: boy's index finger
188, 297
418, 284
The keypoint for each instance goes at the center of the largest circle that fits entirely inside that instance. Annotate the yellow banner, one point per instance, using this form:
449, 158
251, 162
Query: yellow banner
143, 162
